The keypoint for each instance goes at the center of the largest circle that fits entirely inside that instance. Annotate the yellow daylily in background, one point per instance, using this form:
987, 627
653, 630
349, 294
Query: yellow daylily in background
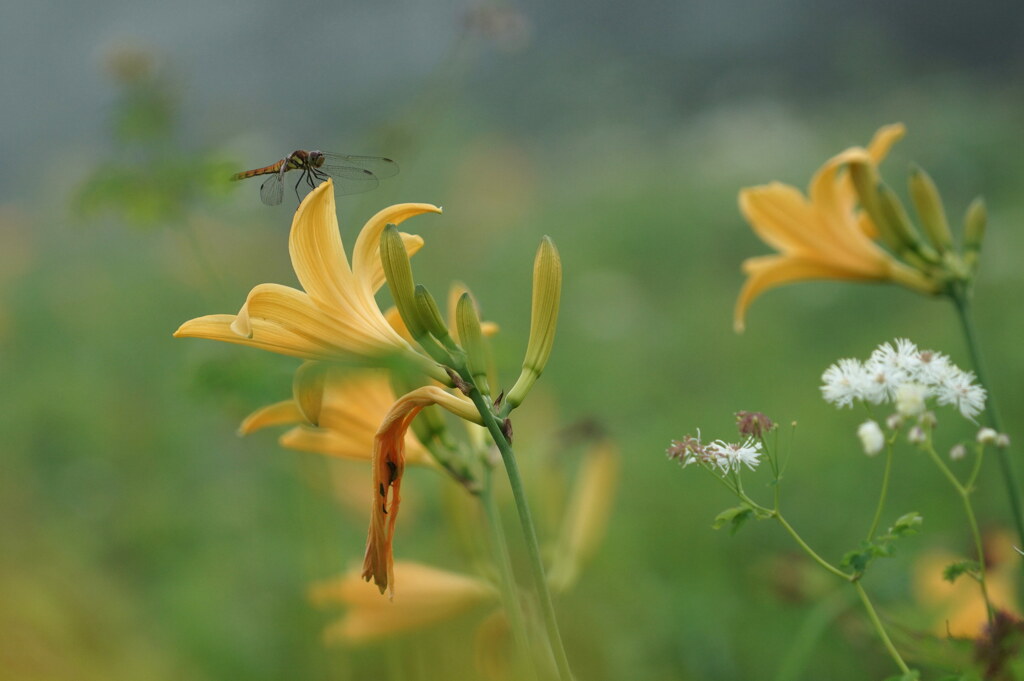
350, 406
823, 235
336, 313
957, 608
429, 595
388, 467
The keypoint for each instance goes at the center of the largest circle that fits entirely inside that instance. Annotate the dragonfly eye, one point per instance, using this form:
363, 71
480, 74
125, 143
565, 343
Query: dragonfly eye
316, 158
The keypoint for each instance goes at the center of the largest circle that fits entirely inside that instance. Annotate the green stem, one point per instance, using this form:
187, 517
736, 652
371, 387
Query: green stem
885, 490
965, 498
880, 628
809, 551
509, 595
962, 304
508, 457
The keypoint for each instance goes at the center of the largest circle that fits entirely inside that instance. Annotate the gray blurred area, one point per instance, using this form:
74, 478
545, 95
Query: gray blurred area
293, 73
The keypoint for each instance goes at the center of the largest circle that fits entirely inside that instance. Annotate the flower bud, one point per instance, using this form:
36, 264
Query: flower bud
398, 272
871, 437
917, 436
895, 215
547, 290
928, 204
957, 452
430, 316
987, 436
910, 399
894, 422
1002, 441
974, 229
865, 181
467, 324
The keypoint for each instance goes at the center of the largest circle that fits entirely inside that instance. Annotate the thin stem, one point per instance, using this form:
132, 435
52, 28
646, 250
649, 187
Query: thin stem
965, 498
508, 457
809, 551
885, 490
880, 628
962, 305
509, 590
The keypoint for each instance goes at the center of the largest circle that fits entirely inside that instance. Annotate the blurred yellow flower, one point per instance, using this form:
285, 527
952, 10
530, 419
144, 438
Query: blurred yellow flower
586, 516
429, 595
349, 406
823, 235
388, 466
335, 313
957, 608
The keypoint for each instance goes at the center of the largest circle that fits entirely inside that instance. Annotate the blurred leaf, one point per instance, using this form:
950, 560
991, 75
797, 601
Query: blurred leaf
955, 570
735, 517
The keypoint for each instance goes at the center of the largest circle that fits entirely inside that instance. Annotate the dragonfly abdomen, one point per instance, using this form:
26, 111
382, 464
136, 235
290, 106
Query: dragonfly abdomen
266, 170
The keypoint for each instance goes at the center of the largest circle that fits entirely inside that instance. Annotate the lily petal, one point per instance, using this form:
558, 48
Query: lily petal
277, 414
429, 596
366, 255
262, 334
769, 271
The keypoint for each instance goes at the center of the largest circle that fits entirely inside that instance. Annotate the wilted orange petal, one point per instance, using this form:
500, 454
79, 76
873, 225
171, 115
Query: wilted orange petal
388, 466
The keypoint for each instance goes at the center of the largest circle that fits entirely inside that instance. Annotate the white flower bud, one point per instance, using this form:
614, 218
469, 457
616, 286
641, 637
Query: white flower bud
987, 436
910, 399
1002, 441
894, 422
957, 452
917, 435
871, 437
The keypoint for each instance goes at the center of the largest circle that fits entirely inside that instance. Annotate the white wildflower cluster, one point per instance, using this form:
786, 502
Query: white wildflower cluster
905, 376
719, 455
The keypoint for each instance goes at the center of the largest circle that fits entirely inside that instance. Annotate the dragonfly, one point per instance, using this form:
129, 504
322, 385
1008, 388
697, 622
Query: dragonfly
352, 174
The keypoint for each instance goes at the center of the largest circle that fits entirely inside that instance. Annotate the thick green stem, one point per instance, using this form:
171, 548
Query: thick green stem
547, 608
509, 590
960, 301
880, 628
885, 490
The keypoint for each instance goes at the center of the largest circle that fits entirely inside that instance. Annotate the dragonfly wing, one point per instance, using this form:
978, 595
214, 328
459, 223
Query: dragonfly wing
379, 166
349, 180
272, 190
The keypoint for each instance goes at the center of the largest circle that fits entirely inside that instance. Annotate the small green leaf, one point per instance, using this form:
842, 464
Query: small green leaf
955, 570
735, 517
907, 524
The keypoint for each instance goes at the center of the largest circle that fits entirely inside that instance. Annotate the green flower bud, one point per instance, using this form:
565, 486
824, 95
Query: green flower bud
928, 204
467, 322
865, 180
547, 291
974, 224
398, 272
895, 216
430, 316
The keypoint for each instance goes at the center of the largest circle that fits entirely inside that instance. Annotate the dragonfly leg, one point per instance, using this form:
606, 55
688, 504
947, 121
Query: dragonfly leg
298, 182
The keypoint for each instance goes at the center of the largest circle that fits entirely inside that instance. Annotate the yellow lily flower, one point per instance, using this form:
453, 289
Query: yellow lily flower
388, 466
823, 235
429, 596
337, 415
336, 312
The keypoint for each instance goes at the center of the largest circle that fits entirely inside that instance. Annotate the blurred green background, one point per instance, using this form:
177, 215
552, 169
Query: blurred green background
142, 539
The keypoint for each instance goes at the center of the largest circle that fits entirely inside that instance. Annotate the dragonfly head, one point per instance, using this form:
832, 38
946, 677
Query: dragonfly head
316, 158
